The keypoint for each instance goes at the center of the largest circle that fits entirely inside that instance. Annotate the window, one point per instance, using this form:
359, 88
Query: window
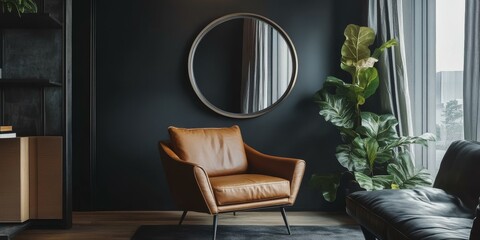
434, 39
450, 34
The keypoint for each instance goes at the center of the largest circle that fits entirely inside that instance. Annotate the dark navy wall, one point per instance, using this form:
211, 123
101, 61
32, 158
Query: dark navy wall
142, 87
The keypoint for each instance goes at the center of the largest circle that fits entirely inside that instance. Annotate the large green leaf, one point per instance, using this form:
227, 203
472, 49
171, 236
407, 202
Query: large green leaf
359, 153
365, 151
336, 109
371, 147
368, 81
356, 46
345, 156
21, 6
384, 155
348, 134
380, 127
390, 43
30, 6
347, 90
327, 183
363, 154
402, 141
376, 182
350, 160
333, 81
405, 175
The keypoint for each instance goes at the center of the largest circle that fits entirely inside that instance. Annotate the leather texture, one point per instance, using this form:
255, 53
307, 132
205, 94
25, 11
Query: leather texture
219, 151
459, 172
188, 182
426, 213
246, 188
261, 181
287, 168
445, 211
475, 233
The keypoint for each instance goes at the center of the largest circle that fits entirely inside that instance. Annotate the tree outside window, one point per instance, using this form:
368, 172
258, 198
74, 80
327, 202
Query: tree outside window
452, 123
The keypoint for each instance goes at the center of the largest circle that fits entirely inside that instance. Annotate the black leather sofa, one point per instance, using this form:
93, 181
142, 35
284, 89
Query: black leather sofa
446, 211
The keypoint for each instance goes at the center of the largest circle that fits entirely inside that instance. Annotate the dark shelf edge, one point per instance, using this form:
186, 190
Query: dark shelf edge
26, 82
29, 20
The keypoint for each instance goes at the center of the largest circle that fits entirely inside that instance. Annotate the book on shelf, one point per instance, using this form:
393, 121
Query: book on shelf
6, 129
8, 135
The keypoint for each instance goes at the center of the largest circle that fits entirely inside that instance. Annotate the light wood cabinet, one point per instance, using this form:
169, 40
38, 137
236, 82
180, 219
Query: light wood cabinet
14, 180
31, 178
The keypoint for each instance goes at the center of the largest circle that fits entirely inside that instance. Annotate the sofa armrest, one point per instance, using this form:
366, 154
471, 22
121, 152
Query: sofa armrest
475, 233
189, 183
287, 168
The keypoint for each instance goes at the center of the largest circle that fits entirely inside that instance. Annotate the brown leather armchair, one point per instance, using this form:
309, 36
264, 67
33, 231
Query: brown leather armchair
212, 170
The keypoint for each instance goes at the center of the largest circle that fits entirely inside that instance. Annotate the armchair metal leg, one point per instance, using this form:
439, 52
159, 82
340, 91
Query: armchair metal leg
234, 213
215, 221
284, 215
183, 217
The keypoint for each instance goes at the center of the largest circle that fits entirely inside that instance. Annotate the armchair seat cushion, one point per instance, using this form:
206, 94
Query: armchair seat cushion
246, 188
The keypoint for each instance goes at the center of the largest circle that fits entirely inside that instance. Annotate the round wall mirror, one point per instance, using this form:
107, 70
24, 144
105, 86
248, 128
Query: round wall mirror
242, 65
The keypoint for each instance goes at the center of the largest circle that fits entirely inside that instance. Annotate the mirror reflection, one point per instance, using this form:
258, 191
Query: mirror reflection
244, 66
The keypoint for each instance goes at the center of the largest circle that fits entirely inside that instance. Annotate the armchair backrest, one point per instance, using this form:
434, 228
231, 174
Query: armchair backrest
219, 151
459, 172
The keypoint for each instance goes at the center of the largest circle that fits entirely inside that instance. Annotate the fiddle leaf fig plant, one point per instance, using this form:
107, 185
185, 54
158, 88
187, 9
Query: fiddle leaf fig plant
405, 175
372, 151
21, 6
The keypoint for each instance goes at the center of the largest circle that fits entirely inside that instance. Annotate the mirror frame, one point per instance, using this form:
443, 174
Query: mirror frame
219, 21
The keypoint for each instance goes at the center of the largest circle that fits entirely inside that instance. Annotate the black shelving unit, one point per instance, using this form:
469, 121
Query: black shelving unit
28, 82
39, 83
29, 20
43, 21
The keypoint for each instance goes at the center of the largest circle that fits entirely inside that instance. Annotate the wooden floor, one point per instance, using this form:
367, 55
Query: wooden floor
122, 225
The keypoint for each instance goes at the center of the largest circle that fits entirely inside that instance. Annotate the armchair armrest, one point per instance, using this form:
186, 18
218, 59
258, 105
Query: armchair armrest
287, 168
475, 233
188, 182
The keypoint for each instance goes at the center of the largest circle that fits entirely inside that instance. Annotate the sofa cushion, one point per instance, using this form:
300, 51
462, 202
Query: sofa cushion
424, 213
220, 151
245, 188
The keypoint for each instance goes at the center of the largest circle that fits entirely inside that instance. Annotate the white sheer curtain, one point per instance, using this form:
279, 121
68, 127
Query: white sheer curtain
266, 66
471, 72
386, 19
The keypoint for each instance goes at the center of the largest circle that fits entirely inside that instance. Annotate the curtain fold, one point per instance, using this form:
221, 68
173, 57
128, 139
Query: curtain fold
385, 17
471, 72
266, 66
